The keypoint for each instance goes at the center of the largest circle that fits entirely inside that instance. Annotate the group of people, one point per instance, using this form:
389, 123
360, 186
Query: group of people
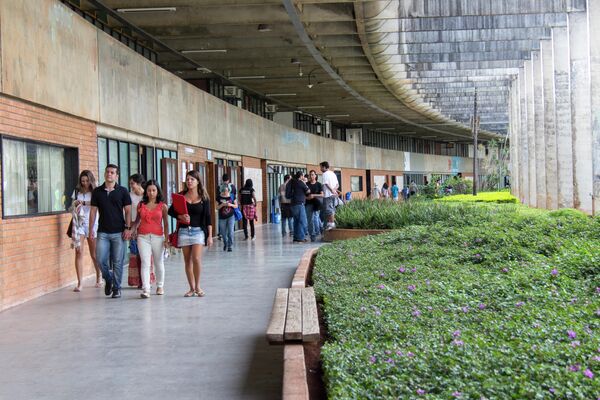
108, 215
393, 192
307, 205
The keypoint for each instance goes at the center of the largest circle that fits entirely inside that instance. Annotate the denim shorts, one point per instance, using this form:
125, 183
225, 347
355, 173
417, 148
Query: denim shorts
328, 206
190, 236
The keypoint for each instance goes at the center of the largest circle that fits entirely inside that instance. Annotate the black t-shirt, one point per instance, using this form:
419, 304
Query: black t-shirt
315, 188
224, 212
299, 191
246, 196
110, 207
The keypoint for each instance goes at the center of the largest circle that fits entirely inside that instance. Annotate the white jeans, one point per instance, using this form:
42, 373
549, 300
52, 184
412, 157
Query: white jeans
151, 246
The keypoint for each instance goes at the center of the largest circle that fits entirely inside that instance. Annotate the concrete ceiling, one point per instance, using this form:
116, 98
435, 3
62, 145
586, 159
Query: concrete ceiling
411, 65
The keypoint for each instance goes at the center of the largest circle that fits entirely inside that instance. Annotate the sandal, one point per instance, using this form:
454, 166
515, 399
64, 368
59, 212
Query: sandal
98, 283
77, 289
200, 293
191, 293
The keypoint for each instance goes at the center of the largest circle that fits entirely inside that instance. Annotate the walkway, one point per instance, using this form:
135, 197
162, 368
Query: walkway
68, 346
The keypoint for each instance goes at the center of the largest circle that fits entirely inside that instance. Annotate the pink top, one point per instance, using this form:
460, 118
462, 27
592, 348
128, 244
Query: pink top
150, 220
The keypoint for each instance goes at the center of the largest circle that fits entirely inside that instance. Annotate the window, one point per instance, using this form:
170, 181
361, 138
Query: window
37, 178
356, 183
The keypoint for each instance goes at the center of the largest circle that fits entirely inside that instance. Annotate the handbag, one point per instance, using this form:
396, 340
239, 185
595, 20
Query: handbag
70, 229
237, 214
173, 237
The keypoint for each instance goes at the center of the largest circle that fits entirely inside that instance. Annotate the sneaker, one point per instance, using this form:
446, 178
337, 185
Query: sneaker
224, 247
116, 294
108, 288
330, 226
229, 249
253, 238
145, 295
160, 291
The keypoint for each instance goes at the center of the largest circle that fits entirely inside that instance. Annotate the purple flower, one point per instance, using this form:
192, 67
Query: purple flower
574, 300
416, 313
456, 394
401, 270
598, 312
456, 333
572, 334
427, 282
411, 288
420, 392
399, 353
519, 304
382, 286
552, 390
588, 374
505, 270
373, 359
536, 325
575, 344
478, 240
363, 309
598, 289
596, 358
458, 343
481, 306
554, 272
465, 309
389, 361
574, 368
413, 270
377, 312
410, 354
382, 275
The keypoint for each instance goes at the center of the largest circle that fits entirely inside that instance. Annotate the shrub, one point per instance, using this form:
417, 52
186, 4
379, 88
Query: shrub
482, 197
505, 308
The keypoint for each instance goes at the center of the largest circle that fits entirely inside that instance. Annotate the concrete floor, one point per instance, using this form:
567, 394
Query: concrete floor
68, 345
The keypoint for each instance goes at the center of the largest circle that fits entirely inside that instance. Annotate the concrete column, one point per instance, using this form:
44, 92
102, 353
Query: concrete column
523, 139
581, 110
539, 129
513, 132
562, 116
593, 8
530, 133
549, 127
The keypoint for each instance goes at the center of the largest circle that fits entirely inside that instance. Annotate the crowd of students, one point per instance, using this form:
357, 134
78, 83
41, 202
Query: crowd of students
108, 216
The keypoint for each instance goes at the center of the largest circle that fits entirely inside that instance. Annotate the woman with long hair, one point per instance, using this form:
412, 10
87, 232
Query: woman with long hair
226, 204
248, 202
152, 229
195, 230
82, 197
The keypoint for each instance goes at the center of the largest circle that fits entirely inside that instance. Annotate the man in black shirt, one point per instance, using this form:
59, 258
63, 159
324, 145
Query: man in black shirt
111, 200
297, 191
313, 205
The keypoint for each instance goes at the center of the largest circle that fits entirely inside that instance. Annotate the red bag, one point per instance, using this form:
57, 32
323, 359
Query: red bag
134, 277
173, 237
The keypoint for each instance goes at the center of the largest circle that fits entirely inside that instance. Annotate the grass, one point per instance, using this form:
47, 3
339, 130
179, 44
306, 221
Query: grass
482, 197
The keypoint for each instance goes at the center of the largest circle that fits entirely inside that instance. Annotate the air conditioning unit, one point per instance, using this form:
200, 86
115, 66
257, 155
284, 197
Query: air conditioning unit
271, 108
232, 91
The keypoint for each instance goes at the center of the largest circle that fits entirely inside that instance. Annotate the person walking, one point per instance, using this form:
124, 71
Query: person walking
313, 205
226, 205
194, 230
297, 191
82, 200
136, 193
395, 192
286, 206
385, 191
248, 202
330, 187
412, 189
114, 204
152, 230
375, 193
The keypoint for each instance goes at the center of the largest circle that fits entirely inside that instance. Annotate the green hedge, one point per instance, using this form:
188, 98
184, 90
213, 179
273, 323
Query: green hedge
508, 308
483, 197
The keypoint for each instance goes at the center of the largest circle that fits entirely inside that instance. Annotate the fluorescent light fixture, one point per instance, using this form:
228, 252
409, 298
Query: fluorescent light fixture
204, 51
280, 94
248, 77
202, 69
147, 9
386, 129
337, 115
295, 61
361, 123
310, 107
264, 28
428, 137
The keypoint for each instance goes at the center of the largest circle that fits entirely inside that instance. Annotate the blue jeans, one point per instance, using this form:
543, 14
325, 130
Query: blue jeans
300, 224
109, 249
314, 222
226, 230
290, 224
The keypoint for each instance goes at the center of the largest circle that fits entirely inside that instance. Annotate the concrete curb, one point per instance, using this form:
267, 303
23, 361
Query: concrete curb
295, 386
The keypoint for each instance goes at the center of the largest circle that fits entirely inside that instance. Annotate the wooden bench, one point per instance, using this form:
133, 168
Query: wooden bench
294, 316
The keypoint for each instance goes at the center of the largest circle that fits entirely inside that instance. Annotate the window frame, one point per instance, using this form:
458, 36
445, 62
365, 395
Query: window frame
74, 165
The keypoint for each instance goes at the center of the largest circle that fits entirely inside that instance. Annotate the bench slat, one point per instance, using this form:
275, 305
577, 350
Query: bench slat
310, 318
293, 323
275, 331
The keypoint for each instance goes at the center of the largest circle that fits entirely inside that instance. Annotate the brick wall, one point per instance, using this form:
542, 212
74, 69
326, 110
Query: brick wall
346, 186
35, 253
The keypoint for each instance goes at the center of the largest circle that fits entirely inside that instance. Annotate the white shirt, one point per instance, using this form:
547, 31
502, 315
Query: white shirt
135, 200
330, 179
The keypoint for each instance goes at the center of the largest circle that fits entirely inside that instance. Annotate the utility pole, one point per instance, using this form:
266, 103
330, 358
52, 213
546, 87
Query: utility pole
475, 127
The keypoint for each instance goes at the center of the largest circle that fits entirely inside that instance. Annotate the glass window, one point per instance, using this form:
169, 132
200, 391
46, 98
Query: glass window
149, 163
102, 154
134, 162
35, 177
356, 183
113, 152
124, 164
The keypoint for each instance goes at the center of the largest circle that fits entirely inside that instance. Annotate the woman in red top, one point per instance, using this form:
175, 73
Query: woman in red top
152, 229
